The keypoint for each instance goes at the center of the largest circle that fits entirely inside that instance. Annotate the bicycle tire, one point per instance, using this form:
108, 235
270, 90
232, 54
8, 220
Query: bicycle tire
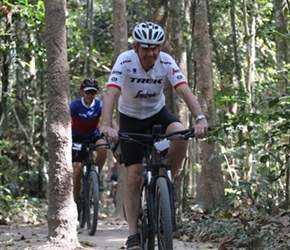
164, 217
81, 206
92, 208
147, 236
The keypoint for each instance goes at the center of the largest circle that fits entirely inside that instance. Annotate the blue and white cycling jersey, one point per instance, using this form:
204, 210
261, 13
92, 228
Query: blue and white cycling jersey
85, 120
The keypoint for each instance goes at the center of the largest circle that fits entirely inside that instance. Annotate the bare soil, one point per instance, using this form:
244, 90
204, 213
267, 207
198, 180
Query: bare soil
111, 234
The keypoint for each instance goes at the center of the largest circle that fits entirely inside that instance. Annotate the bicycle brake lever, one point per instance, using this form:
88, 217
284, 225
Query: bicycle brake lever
124, 136
187, 135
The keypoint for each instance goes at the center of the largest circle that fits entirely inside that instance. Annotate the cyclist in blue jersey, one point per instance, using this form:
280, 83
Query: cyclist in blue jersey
85, 115
137, 82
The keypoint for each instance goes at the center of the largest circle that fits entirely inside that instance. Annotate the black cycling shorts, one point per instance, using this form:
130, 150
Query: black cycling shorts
132, 152
79, 156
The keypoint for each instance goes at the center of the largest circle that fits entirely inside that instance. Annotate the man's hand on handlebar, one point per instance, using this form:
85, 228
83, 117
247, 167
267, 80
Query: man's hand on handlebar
110, 134
200, 129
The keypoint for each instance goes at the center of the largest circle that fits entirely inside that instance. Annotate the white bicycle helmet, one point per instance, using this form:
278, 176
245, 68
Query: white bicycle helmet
148, 33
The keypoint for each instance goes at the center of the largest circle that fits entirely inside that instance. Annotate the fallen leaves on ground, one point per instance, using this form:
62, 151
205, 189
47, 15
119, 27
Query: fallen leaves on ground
244, 228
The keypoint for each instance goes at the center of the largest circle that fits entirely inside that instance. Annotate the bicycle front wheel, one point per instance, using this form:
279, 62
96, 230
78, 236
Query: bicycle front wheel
147, 236
92, 209
164, 217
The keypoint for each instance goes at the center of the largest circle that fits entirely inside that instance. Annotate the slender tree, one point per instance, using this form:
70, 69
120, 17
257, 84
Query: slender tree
62, 209
282, 47
5, 61
121, 44
159, 13
210, 192
178, 49
89, 24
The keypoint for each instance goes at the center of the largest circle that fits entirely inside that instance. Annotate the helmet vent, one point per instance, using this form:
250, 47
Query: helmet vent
150, 34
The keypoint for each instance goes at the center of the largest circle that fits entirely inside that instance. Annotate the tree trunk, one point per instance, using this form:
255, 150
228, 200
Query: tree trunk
62, 214
158, 13
210, 192
90, 22
250, 34
5, 64
281, 23
177, 41
121, 44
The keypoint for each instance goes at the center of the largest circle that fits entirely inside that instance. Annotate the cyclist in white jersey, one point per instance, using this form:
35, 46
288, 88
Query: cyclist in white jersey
137, 82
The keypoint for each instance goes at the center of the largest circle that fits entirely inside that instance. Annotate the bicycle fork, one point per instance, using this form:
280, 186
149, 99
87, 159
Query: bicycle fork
85, 175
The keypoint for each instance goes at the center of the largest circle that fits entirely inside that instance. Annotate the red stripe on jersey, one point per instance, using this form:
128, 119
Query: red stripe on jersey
114, 86
178, 84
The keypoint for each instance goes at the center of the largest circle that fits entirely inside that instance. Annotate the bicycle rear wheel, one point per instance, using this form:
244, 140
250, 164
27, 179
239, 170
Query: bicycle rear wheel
81, 204
164, 217
92, 209
147, 236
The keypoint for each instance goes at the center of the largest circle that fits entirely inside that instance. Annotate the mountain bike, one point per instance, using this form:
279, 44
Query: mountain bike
157, 215
88, 201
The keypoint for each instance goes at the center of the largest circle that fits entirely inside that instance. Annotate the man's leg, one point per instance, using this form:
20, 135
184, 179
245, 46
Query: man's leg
77, 174
177, 150
132, 196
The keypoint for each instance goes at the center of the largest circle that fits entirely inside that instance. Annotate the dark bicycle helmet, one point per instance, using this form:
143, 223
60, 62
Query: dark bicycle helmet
89, 84
148, 33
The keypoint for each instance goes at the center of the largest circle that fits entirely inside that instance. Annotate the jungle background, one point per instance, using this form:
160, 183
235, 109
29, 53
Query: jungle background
244, 92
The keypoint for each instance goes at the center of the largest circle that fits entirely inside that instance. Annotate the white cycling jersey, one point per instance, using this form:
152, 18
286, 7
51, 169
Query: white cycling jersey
142, 92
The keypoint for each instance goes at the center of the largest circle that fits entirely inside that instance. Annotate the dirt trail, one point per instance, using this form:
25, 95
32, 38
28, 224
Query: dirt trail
111, 234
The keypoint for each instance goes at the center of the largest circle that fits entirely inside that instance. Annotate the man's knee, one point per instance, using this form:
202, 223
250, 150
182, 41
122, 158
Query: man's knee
102, 151
134, 174
77, 166
178, 145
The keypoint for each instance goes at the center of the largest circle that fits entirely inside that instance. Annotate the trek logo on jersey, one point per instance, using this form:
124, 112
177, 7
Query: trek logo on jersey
175, 71
146, 80
144, 95
116, 72
126, 61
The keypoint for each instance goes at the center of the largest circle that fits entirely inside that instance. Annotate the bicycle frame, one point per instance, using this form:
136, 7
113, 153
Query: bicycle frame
157, 213
89, 197
89, 161
155, 163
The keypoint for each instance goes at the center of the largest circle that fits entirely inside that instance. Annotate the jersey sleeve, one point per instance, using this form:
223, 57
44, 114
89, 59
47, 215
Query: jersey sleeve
118, 72
72, 108
174, 74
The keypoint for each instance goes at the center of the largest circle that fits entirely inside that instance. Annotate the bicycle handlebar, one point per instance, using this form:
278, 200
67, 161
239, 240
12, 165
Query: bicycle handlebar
184, 135
89, 145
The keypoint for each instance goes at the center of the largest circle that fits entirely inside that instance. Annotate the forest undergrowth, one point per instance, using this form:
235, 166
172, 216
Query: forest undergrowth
246, 227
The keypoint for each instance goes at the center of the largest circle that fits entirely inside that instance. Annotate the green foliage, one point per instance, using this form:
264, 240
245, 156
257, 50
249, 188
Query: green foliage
257, 158
23, 210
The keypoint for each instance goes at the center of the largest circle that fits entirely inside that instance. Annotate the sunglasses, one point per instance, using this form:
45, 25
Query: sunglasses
90, 92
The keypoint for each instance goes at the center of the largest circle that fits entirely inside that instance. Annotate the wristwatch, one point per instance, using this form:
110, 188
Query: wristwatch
199, 117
